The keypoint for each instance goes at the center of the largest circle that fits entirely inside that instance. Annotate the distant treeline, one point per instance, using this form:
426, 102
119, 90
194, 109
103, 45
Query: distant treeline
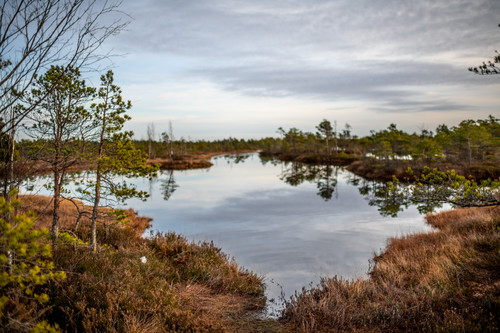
470, 141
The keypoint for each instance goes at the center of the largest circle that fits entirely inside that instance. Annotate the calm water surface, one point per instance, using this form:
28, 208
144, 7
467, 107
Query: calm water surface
290, 223
291, 234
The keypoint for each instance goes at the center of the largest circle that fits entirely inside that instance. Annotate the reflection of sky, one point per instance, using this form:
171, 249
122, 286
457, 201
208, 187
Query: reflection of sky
289, 234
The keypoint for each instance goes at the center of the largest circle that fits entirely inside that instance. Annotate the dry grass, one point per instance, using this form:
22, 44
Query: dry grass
445, 280
182, 286
191, 161
42, 206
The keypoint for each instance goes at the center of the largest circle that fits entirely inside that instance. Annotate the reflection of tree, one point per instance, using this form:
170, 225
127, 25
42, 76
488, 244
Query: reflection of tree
168, 186
389, 203
236, 158
375, 193
428, 191
294, 173
324, 176
266, 159
327, 181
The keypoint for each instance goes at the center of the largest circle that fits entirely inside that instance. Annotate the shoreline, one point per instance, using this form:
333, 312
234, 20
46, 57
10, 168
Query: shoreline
368, 168
383, 170
179, 285
446, 279
192, 161
412, 275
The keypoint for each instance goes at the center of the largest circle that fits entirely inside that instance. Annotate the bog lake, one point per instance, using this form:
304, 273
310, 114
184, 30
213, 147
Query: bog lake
291, 223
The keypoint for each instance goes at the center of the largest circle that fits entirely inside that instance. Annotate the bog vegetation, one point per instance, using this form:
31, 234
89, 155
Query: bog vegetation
68, 266
442, 281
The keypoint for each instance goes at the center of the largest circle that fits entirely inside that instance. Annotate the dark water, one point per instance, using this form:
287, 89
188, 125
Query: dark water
287, 222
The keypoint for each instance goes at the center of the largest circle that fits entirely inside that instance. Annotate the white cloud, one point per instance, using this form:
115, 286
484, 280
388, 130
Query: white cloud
248, 67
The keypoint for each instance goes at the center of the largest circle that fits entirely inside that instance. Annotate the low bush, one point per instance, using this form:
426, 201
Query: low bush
162, 283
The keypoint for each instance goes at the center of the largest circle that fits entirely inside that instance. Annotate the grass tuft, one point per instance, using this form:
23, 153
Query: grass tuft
182, 286
444, 280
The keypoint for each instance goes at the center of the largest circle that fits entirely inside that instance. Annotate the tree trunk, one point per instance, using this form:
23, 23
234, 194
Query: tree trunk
55, 215
97, 195
469, 153
97, 198
9, 181
58, 179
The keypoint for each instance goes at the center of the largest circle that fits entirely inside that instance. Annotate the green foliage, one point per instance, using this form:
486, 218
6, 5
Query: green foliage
490, 67
325, 130
116, 154
433, 188
61, 124
428, 149
60, 116
472, 141
25, 264
391, 142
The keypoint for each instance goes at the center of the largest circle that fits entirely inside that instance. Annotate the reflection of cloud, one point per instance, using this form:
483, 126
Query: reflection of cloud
287, 233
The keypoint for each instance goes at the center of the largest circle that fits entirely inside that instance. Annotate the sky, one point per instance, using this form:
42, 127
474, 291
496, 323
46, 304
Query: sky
237, 68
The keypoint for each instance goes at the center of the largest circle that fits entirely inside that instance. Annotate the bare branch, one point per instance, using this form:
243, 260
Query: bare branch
36, 34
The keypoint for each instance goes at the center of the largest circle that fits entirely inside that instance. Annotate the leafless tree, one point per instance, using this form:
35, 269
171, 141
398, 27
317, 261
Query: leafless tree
151, 137
171, 139
36, 34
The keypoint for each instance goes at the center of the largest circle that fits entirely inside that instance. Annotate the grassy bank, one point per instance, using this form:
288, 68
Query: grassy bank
181, 286
191, 161
446, 280
312, 158
383, 170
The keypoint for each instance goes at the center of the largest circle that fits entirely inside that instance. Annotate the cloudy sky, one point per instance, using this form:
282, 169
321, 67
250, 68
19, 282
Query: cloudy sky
244, 68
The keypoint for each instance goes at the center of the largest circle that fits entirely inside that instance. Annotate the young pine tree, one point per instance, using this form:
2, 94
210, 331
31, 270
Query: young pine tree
60, 125
116, 156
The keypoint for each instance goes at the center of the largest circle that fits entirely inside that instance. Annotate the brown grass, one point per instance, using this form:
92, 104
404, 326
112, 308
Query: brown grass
444, 280
383, 170
191, 161
182, 286
42, 206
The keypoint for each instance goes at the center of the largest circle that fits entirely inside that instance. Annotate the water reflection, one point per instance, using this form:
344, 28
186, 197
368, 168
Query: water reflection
377, 194
289, 222
324, 176
391, 203
236, 158
293, 235
168, 184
